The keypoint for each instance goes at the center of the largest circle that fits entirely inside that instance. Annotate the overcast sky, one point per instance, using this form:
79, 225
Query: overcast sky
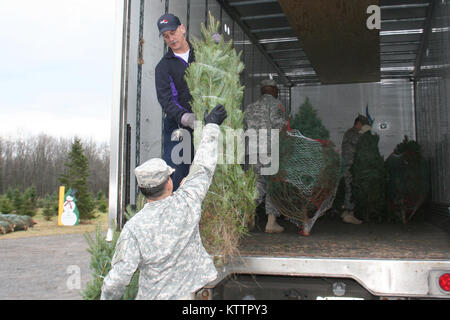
56, 67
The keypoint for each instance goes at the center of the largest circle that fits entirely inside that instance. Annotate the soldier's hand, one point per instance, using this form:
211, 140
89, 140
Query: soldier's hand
217, 115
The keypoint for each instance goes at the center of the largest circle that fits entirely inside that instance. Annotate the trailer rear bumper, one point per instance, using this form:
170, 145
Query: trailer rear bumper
380, 277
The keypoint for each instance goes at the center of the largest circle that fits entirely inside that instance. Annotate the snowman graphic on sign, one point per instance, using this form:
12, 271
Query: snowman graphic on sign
70, 214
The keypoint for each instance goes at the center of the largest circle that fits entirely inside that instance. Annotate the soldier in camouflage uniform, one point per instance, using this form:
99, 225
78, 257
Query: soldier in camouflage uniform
266, 113
163, 239
348, 149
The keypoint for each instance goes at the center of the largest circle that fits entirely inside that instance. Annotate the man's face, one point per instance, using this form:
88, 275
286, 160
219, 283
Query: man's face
358, 125
175, 39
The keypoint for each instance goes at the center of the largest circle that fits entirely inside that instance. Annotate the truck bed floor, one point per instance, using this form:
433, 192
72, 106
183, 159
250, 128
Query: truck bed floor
335, 239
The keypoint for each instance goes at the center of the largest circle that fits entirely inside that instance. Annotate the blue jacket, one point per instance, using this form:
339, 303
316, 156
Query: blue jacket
171, 88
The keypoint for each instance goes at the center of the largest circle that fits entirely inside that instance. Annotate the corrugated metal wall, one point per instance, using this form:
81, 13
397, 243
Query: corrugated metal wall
432, 94
390, 105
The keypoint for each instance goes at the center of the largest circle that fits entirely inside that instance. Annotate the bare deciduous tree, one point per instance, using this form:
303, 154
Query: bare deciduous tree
39, 161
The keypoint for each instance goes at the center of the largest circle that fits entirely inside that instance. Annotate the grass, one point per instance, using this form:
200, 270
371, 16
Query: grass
51, 228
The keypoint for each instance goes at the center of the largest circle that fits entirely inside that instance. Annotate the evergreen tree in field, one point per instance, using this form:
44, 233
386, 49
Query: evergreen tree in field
76, 176
308, 122
17, 199
102, 202
6, 205
29, 202
51, 204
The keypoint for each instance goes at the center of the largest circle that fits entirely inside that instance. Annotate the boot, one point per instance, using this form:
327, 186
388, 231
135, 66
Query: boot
348, 217
272, 226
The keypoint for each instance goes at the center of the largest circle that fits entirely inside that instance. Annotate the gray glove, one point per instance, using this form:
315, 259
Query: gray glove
188, 120
216, 37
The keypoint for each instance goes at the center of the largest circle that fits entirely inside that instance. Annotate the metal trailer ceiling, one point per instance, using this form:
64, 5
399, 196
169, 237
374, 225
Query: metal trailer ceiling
295, 36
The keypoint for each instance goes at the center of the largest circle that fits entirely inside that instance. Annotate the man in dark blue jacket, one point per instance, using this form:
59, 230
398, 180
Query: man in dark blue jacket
173, 94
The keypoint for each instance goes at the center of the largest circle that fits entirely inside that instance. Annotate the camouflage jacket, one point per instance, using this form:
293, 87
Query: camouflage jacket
163, 239
348, 147
265, 113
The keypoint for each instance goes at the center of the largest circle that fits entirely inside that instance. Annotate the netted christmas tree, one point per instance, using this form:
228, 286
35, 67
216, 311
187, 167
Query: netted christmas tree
214, 79
308, 122
309, 171
368, 179
407, 180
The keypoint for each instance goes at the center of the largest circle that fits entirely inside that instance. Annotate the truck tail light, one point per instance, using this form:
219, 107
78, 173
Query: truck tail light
444, 282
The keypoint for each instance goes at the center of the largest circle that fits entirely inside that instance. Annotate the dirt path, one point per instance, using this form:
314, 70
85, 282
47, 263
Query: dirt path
44, 268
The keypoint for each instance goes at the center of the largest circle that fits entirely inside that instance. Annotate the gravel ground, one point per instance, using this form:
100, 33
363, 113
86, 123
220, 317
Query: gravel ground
44, 268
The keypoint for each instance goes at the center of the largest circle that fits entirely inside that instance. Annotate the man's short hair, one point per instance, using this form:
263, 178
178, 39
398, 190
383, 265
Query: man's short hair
154, 192
362, 119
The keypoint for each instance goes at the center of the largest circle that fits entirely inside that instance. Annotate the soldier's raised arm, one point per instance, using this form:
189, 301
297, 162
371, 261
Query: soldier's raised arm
202, 169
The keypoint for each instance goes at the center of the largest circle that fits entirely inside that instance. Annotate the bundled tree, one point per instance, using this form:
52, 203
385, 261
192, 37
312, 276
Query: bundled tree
75, 177
214, 79
309, 173
407, 180
368, 179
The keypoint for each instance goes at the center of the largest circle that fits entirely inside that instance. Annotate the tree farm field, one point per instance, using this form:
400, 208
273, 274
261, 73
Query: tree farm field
50, 227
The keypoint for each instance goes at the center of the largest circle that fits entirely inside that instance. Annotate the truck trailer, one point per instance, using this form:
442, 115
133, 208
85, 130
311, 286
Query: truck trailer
344, 56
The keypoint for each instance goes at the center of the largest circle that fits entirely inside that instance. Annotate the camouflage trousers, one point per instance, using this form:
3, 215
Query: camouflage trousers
263, 194
348, 203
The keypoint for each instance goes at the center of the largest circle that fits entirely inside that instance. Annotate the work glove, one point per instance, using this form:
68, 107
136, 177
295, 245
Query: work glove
188, 120
217, 115
216, 37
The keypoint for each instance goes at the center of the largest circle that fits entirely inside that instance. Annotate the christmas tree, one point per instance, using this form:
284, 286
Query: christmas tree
308, 122
305, 186
214, 79
407, 180
75, 177
368, 179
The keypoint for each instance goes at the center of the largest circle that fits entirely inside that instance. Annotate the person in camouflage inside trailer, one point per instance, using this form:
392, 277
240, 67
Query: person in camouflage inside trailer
348, 149
163, 239
266, 113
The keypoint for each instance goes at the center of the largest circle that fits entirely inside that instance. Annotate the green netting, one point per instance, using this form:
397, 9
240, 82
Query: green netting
307, 180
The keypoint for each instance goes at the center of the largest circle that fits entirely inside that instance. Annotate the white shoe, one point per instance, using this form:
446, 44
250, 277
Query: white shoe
272, 226
348, 217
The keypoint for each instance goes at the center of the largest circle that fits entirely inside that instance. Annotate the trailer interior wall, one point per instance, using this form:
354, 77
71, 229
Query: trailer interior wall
433, 106
390, 105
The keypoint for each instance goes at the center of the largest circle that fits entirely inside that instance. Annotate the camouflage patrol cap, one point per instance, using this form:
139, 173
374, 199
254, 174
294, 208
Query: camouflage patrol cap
152, 173
268, 83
